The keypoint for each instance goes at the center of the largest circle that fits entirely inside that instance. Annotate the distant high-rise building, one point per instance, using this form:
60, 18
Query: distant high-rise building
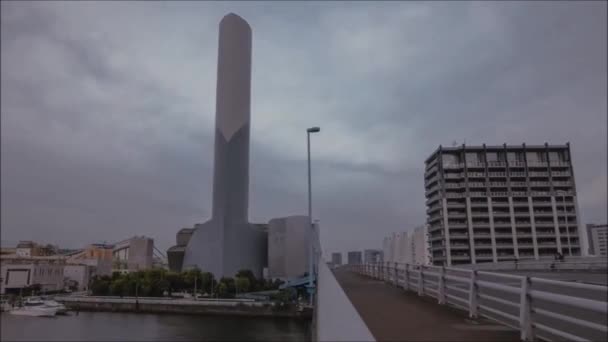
598, 239
493, 203
408, 247
336, 258
372, 256
354, 258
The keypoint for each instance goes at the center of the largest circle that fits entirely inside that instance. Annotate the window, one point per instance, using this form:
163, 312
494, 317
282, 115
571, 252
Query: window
472, 157
492, 156
515, 156
555, 156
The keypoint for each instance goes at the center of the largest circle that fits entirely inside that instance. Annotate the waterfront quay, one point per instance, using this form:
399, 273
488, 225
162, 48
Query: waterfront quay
226, 307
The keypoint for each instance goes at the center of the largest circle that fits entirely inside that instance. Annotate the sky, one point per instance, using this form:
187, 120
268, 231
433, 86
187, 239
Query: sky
108, 109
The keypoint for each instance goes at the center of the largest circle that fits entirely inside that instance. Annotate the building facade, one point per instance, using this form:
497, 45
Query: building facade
288, 247
133, 254
598, 239
354, 258
409, 247
336, 258
372, 256
495, 203
18, 272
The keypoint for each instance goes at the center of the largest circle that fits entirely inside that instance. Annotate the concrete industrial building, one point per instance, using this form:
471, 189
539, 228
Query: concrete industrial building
598, 239
354, 258
494, 203
288, 247
336, 259
133, 254
227, 242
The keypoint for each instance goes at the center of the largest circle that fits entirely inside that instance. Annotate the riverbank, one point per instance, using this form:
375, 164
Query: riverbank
218, 307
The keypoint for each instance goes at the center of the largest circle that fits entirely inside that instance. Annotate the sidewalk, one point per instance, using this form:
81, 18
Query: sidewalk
392, 314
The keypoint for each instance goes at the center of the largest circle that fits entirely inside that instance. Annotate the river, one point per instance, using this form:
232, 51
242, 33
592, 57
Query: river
107, 326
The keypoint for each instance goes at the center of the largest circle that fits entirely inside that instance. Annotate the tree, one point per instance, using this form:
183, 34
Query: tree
253, 282
222, 290
100, 287
242, 284
207, 280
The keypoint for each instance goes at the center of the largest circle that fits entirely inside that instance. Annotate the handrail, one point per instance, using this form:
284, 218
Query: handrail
416, 278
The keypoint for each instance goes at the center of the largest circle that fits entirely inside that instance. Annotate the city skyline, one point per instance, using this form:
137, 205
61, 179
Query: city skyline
104, 124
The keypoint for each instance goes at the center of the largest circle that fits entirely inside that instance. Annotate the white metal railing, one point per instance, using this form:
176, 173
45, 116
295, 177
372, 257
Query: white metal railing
534, 306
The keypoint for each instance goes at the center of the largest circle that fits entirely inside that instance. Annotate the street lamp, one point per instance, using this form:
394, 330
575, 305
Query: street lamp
310, 252
563, 194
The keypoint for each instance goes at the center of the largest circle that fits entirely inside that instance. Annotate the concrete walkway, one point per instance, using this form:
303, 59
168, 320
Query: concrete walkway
392, 314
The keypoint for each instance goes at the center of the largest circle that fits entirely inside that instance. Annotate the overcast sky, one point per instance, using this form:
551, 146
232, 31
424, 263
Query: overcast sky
108, 109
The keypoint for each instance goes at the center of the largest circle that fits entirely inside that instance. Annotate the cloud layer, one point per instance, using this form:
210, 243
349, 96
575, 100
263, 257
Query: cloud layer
108, 108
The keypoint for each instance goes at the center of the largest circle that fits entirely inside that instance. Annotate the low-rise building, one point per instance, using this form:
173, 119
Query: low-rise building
78, 276
18, 272
133, 254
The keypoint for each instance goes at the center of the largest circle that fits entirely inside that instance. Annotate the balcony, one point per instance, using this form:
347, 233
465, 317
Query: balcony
477, 185
453, 166
517, 164
538, 213
501, 224
539, 193
539, 184
477, 194
459, 246
503, 235
560, 173
479, 214
537, 164
453, 195
501, 214
497, 174
517, 174
499, 184
559, 163
499, 194
496, 164
476, 175
475, 165
538, 174
457, 225
484, 256
544, 224
520, 184
453, 175
562, 183
459, 236
452, 185
519, 194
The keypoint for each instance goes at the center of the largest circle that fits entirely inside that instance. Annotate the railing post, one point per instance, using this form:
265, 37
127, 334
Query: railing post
407, 277
441, 286
395, 275
473, 295
420, 282
525, 311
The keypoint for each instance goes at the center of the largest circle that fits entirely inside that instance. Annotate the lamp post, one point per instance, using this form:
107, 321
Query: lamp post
563, 194
310, 252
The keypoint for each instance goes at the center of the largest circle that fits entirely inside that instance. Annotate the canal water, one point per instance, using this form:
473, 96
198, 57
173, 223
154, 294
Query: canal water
109, 326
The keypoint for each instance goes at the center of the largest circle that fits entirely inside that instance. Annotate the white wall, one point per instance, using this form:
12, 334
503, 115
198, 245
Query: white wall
288, 246
337, 319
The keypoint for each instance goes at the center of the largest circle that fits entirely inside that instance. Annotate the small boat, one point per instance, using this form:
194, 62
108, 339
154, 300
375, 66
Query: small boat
33, 307
48, 302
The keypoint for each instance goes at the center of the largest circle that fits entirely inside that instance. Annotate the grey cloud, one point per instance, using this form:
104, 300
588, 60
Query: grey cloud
107, 124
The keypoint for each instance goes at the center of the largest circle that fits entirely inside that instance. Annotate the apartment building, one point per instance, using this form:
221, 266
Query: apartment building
598, 239
496, 203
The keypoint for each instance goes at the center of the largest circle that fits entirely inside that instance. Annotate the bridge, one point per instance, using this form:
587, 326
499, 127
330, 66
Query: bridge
404, 302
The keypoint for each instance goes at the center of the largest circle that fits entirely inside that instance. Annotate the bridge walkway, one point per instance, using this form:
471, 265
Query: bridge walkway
392, 314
